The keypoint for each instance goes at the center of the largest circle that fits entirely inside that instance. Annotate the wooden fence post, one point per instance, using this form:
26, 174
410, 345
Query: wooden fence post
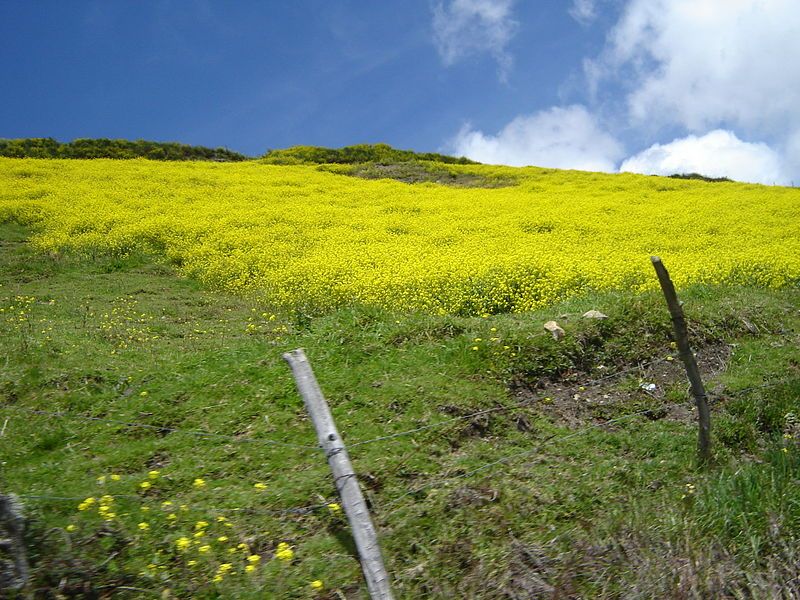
15, 570
685, 352
343, 477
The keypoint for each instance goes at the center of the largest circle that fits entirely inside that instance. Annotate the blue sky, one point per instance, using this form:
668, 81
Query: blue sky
642, 85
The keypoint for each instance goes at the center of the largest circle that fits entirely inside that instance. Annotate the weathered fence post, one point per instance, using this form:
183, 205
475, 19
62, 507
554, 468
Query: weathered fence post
13, 560
685, 352
343, 477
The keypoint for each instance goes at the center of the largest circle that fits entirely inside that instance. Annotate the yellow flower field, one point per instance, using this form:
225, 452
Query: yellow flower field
305, 236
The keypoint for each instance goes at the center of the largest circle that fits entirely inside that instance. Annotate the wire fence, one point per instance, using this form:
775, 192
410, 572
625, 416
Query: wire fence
510, 457
527, 404
163, 429
295, 510
385, 509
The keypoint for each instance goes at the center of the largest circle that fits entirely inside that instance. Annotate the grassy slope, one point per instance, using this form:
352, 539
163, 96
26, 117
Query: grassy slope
599, 513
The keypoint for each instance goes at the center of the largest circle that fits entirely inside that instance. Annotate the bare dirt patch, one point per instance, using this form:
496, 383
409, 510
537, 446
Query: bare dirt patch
414, 172
660, 387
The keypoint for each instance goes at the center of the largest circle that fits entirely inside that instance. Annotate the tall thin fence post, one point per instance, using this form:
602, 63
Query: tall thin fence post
344, 477
687, 356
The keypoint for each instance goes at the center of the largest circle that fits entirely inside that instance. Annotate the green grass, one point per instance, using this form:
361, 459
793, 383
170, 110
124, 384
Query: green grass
585, 509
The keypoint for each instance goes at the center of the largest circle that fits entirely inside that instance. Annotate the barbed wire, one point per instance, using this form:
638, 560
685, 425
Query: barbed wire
438, 424
244, 510
510, 457
541, 444
753, 388
70, 498
518, 406
163, 429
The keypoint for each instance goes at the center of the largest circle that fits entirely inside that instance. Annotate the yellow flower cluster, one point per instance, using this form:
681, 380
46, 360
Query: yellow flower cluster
304, 236
284, 552
211, 545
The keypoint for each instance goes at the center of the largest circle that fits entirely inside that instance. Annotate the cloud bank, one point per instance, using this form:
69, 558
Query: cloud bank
566, 138
719, 70
462, 28
702, 63
717, 154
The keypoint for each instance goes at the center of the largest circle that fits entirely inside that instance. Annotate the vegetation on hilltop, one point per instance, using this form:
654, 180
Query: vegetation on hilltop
360, 153
119, 149
699, 177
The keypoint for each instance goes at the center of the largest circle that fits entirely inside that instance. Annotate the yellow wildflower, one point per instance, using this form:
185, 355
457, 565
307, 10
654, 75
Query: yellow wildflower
317, 585
115, 477
260, 486
284, 552
143, 526
250, 568
204, 548
199, 483
183, 543
334, 507
71, 528
153, 474
145, 485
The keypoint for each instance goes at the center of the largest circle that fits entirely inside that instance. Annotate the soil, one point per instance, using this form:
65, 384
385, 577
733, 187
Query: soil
578, 400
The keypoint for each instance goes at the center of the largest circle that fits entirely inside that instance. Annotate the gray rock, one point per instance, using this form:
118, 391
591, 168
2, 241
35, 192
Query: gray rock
594, 314
555, 330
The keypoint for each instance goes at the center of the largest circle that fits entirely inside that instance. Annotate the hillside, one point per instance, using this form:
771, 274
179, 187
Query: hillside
144, 308
308, 237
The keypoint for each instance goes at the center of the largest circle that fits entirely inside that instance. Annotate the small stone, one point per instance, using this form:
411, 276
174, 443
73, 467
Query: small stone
594, 314
554, 329
749, 326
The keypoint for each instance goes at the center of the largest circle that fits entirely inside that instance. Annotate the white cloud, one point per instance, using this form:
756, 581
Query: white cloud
583, 11
466, 27
708, 63
717, 154
722, 70
791, 152
567, 138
